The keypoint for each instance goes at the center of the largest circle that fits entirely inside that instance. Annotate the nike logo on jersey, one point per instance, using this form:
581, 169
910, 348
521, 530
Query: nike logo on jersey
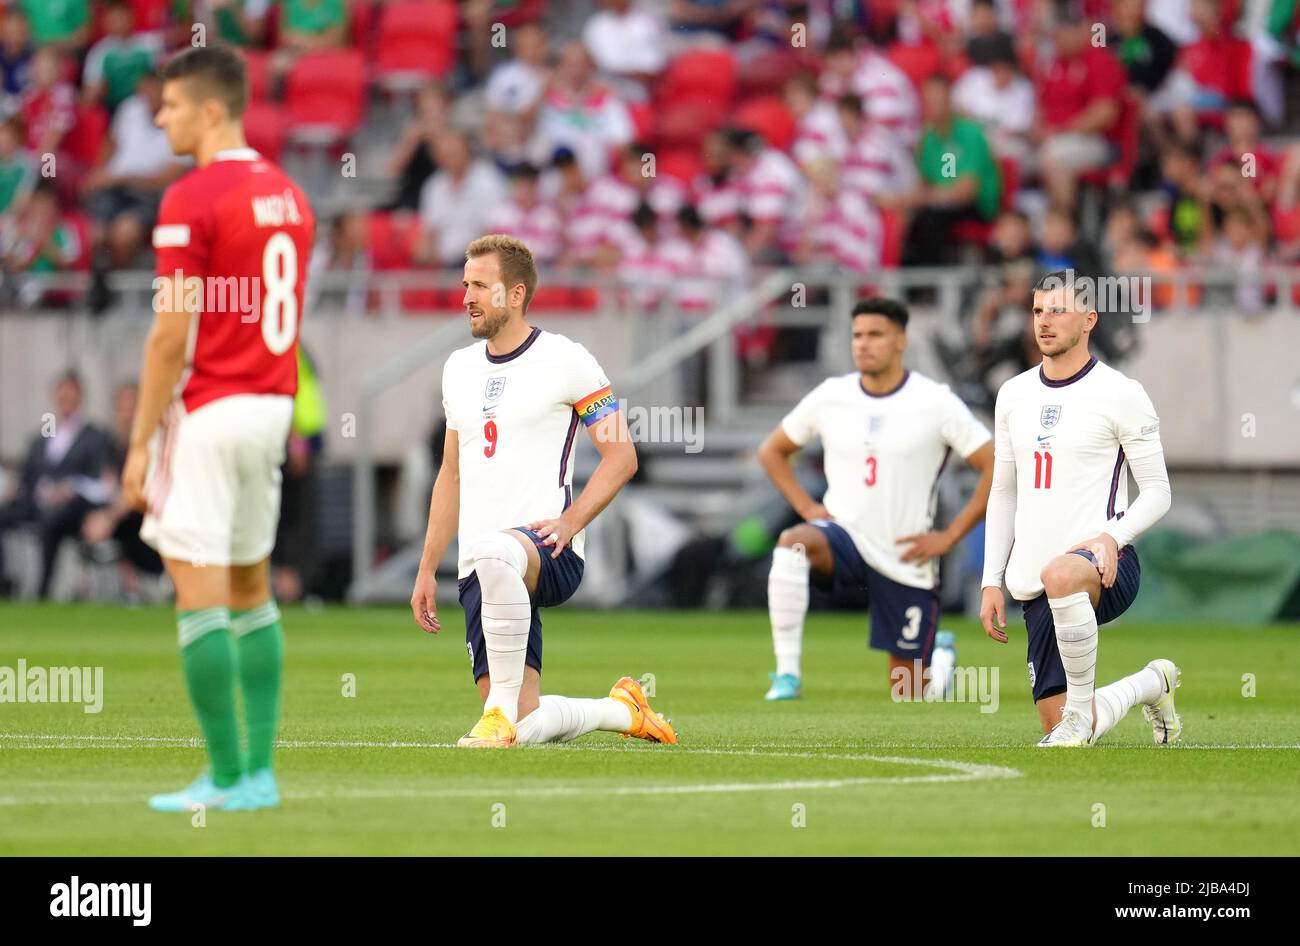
1041, 437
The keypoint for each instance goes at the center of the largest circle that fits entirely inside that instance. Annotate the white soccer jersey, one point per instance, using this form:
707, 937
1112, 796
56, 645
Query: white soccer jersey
883, 456
516, 418
1071, 441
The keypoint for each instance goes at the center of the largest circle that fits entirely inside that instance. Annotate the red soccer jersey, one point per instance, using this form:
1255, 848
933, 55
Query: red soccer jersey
245, 229
1067, 87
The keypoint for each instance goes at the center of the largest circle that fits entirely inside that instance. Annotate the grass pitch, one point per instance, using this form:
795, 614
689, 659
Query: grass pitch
845, 770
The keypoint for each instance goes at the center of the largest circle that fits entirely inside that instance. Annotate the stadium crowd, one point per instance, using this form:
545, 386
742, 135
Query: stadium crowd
689, 140
681, 142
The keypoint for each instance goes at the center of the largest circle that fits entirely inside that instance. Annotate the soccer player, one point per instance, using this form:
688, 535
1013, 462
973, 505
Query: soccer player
219, 375
514, 401
887, 434
1060, 525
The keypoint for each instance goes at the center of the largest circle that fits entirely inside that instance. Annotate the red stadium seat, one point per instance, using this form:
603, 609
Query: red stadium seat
257, 65
771, 118
362, 16
685, 164
643, 119
766, 74
701, 75
265, 127
919, 61
326, 95
415, 42
687, 123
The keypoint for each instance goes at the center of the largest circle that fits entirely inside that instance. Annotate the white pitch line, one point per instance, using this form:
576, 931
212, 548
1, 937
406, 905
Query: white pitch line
955, 772
89, 741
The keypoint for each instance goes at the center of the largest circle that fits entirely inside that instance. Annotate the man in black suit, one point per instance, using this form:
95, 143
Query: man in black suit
60, 480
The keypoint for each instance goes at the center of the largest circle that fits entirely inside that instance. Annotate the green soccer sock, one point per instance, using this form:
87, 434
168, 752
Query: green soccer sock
260, 642
208, 660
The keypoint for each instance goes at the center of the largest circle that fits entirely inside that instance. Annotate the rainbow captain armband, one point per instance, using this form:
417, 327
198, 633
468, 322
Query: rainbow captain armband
596, 405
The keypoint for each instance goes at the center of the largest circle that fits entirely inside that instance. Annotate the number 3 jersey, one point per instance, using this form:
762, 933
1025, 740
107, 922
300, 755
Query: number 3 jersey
1071, 441
239, 232
883, 455
516, 418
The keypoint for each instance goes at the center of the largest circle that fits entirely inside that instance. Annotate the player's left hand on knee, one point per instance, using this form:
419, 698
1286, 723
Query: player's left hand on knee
925, 546
556, 534
1105, 550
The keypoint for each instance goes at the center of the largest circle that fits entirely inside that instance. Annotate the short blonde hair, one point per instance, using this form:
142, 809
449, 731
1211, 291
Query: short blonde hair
514, 257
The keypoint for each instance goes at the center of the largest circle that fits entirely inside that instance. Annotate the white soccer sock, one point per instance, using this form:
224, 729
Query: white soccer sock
499, 562
787, 605
1076, 639
1115, 700
561, 718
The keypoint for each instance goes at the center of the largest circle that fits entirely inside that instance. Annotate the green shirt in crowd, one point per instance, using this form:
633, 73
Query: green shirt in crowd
55, 20
17, 177
314, 16
970, 154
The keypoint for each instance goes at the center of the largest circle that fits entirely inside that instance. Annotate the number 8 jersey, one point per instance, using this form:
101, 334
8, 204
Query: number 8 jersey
1071, 442
239, 232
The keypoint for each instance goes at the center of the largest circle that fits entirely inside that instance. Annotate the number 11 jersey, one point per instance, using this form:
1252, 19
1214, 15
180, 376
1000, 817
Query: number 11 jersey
1071, 441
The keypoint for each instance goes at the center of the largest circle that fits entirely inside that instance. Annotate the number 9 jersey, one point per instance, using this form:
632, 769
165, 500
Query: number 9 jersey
239, 233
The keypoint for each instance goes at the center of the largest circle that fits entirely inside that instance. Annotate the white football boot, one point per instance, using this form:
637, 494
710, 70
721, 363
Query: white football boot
1072, 730
1166, 724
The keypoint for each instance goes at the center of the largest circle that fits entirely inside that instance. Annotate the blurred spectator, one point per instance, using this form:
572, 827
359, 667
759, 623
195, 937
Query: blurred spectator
49, 105
1058, 244
63, 25
1286, 211
1182, 185
345, 250
59, 482
818, 132
707, 20
994, 92
1080, 90
770, 192
1241, 246
523, 214
841, 226
1001, 336
18, 173
308, 26
582, 115
15, 52
959, 182
635, 253
294, 556
887, 94
628, 44
716, 193
1144, 50
123, 191
413, 160
875, 163
235, 22
1245, 152
38, 240
1212, 71
455, 201
115, 64
709, 266
517, 86
116, 521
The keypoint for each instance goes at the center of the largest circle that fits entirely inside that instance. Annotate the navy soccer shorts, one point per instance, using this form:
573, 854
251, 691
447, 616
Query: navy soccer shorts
1046, 673
903, 618
556, 582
